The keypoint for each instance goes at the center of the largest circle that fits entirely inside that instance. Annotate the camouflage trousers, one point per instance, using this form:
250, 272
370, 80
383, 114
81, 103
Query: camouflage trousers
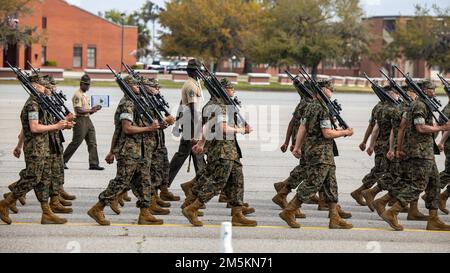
297, 175
422, 175
319, 177
36, 176
387, 181
381, 167
445, 175
160, 168
57, 170
221, 174
131, 174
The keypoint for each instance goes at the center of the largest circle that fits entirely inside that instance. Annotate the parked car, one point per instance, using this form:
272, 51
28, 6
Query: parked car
156, 65
179, 66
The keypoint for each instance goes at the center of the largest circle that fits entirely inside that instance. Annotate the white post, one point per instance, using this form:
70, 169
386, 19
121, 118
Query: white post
225, 238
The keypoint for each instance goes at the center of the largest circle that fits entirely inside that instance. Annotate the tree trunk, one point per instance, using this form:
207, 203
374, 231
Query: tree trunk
314, 70
248, 66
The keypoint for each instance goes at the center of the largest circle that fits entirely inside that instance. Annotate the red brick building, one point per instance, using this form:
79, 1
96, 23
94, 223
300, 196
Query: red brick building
76, 39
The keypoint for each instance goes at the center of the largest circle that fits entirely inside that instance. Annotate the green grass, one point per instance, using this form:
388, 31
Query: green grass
242, 86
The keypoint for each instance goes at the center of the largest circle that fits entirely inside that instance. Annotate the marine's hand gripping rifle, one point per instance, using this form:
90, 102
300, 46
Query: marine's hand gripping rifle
333, 106
431, 104
138, 104
45, 103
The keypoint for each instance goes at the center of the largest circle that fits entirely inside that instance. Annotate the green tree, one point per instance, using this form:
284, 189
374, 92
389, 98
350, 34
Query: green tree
11, 33
422, 37
309, 32
140, 18
213, 30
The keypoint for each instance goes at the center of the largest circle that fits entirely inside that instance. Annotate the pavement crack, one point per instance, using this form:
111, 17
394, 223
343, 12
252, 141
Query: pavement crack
140, 244
125, 232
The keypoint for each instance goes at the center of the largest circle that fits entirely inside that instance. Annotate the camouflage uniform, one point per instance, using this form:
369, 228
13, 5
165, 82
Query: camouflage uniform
134, 154
223, 169
160, 162
445, 175
380, 162
385, 116
423, 173
390, 179
37, 173
298, 174
321, 171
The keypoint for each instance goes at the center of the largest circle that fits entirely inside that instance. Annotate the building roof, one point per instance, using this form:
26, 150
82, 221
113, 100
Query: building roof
95, 15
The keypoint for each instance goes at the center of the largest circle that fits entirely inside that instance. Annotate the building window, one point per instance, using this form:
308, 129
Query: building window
43, 55
77, 56
44, 22
91, 57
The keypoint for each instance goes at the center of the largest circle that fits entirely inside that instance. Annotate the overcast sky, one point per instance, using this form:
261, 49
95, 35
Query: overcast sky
371, 7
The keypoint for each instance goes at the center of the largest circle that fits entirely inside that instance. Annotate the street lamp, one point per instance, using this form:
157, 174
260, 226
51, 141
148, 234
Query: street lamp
122, 15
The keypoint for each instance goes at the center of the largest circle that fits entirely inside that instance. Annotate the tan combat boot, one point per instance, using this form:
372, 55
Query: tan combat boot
64, 202
190, 212
299, 214
48, 217
120, 200
239, 220
434, 223
279, 185
13, 206
336, 222
343, 214
166, 195
414, 214
288, 214
443, 201
245, 210
161, 202
187, 187
380, 203
114, 205
57, 207
125, 196
390, 216
322, 206
155, 209
146, 218
65, 195
222, 197
281, 198
23, 200
357, 195
188, 201
369, 196
4, 208
96, 213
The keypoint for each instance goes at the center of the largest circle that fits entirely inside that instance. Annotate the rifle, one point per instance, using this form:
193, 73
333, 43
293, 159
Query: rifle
138, 103
381, 93
45, 103
398, 88
431, 104
58, 98
149, 100
215, 89
300, 86
333, 106
445, 83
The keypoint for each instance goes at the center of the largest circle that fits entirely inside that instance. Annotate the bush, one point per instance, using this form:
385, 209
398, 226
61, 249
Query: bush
50, 63
137, 66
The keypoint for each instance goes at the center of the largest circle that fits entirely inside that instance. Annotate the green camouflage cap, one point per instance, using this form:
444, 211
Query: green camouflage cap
85, 79
34, 78
152, 83
388, 88
50, 79
226, 83
426, 84
326, 83
194, 64
45, 82
130, 80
